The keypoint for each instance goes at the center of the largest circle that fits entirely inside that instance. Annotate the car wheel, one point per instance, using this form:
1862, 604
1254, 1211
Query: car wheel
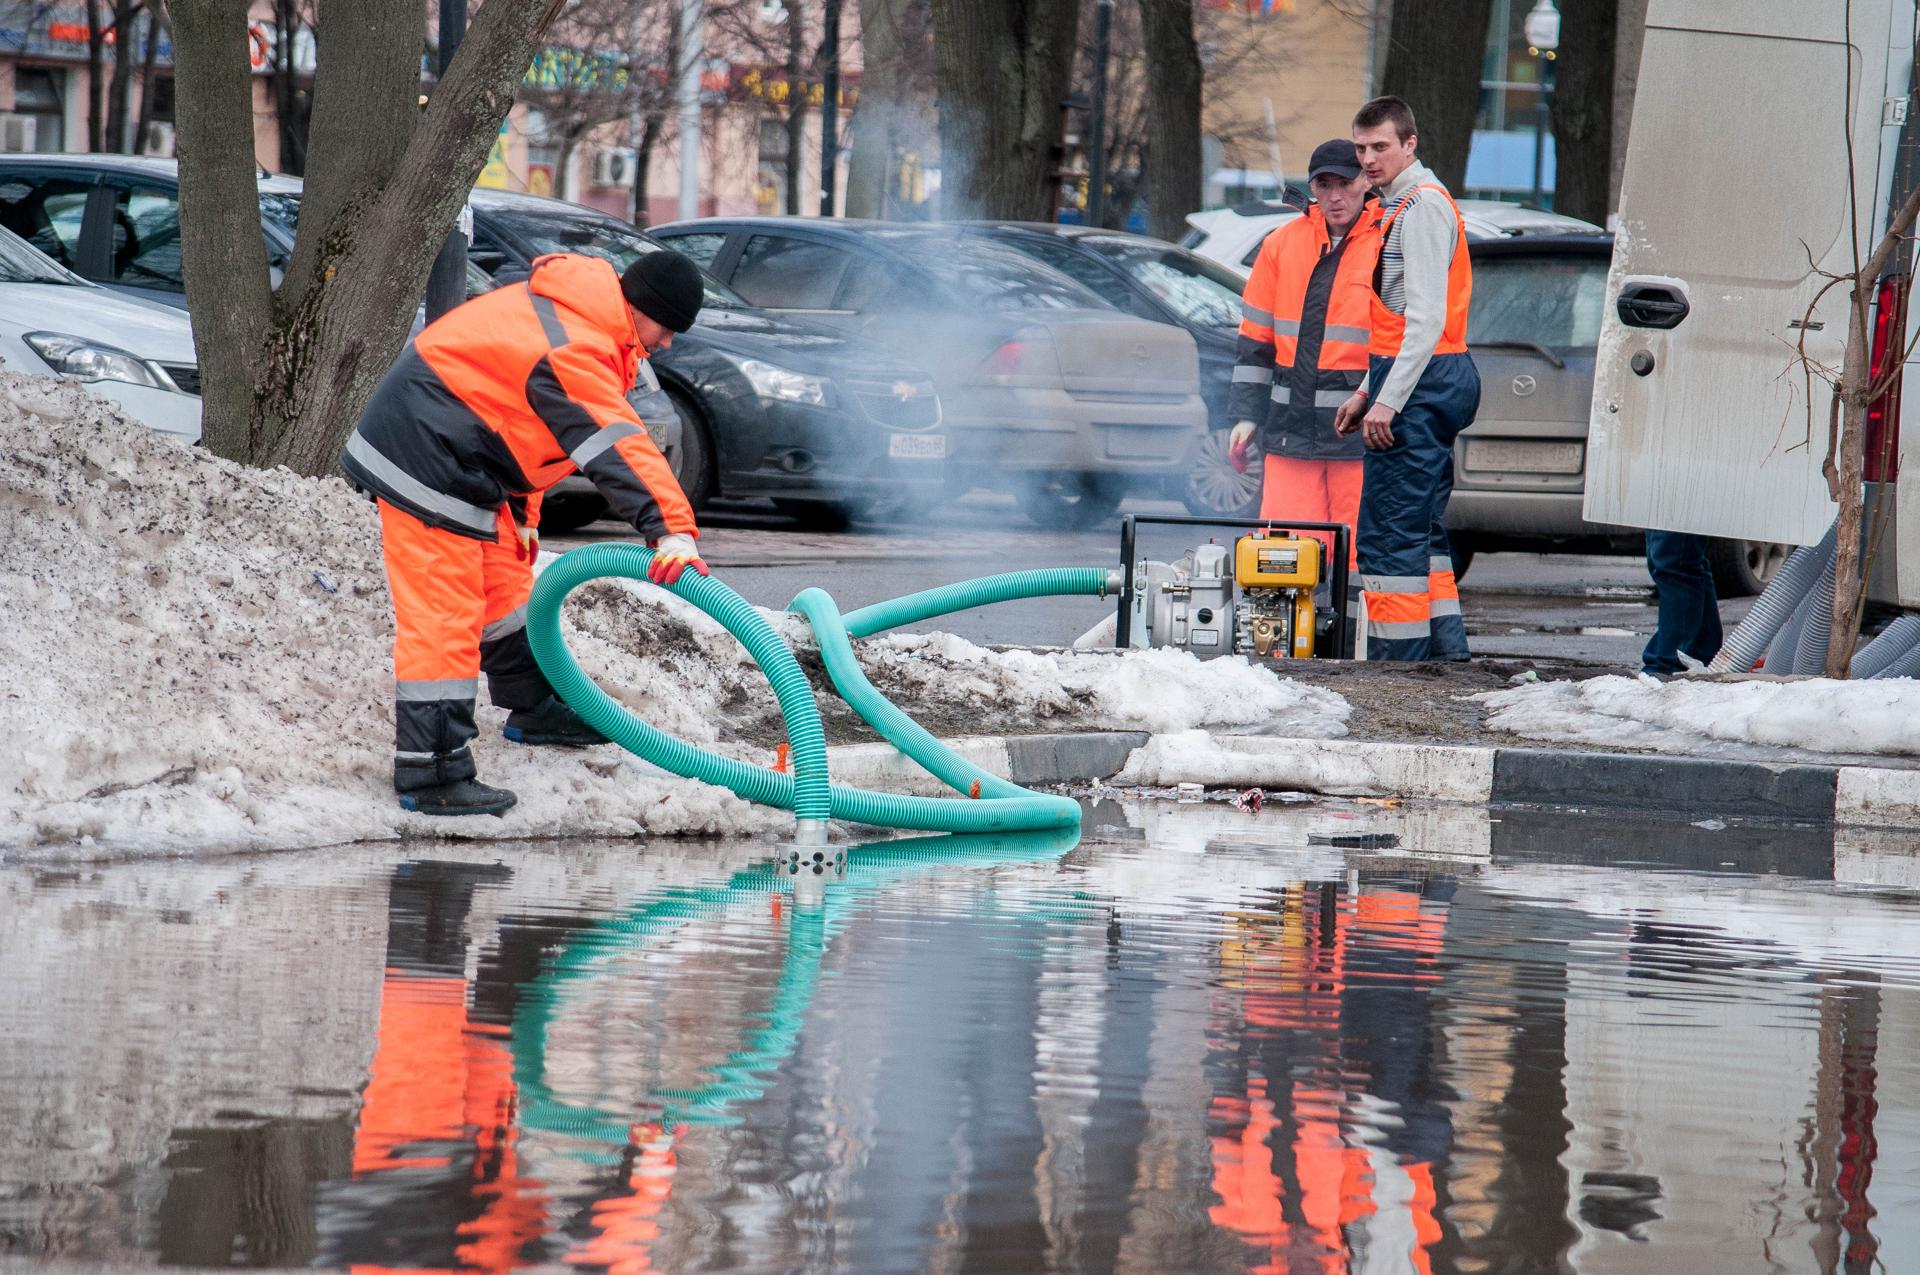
1462, 558
1213, 488
692, 463
562, 515
1742, 568
1070, 502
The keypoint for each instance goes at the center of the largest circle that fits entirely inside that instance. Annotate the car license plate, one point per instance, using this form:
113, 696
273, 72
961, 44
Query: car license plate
917, 447
1523, 456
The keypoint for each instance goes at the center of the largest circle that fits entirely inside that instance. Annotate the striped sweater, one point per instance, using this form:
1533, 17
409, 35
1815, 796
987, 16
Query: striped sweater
1413, 276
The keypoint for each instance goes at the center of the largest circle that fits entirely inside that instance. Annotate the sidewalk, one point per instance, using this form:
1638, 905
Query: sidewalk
1415, 733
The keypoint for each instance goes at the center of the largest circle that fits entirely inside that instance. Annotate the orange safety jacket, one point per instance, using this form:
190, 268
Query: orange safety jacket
1305, 315
508, 394
1389, 326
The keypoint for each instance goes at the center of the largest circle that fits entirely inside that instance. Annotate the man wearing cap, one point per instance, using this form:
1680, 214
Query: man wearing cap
1423, 390
1303, 346
488, 407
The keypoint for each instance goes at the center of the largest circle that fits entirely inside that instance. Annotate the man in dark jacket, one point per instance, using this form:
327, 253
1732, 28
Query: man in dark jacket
1303, 346
490, 406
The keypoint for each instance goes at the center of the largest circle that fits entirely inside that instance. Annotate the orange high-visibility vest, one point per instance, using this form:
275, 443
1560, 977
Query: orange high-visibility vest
1276, 292
1390, 329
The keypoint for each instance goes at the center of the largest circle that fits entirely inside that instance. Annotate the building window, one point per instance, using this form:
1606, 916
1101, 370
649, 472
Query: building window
40, 95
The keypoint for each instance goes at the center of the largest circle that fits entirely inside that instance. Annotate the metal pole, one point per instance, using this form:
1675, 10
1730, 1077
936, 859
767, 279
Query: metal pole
447, 283
692, 55
830, 107
1542, 121
1097, 117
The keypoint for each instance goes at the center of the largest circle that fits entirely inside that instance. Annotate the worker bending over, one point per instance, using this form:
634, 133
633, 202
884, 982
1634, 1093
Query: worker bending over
490, 406
1303, 346
1422, 390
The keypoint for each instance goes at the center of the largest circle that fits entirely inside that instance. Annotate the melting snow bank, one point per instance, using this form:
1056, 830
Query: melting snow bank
1872, 718
194, 658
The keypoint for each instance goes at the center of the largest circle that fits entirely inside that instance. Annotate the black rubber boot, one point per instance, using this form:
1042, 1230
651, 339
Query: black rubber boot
551, 722
461, 797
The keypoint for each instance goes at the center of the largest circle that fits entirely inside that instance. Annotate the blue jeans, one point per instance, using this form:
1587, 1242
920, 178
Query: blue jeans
1689, 607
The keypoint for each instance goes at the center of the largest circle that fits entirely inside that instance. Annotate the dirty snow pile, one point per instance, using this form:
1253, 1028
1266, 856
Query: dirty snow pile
1151, 690
1868, 718
195, 658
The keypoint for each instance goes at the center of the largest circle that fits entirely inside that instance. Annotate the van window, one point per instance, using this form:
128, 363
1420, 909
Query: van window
1553, 299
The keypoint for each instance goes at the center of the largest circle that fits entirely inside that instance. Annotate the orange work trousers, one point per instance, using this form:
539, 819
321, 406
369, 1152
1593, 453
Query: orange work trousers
1314, 491
459, 608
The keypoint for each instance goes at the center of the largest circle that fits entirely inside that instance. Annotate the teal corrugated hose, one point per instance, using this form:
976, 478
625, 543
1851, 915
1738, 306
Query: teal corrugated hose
968, 594
807, 792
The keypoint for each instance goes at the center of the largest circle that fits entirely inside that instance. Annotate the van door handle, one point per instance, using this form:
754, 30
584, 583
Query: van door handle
1651, 305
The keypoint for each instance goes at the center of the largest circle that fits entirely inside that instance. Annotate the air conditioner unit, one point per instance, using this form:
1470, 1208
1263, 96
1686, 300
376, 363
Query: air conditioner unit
613, 166
17, 132
159, 139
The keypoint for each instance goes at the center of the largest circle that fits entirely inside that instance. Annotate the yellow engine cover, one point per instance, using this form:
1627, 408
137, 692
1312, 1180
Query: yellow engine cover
1276, 562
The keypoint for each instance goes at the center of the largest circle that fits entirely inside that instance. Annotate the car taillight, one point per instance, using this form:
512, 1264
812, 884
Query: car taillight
1027, 358
1006, 360
1889, 349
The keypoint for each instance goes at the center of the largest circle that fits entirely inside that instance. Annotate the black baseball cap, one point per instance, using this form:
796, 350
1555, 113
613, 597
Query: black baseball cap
1337, 157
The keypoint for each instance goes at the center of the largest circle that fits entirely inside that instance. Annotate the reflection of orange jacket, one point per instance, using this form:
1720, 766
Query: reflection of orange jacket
510, 393
441, 1096
1292, 1173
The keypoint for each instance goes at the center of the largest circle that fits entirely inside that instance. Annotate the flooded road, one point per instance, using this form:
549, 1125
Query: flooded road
1195, 1040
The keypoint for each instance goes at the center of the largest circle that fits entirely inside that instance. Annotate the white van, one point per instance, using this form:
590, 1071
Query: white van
1735, 201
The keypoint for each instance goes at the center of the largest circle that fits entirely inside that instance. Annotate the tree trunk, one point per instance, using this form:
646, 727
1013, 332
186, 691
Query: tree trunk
563, 164
126, 17
653, 122
286, 375
796, 106
1434, 56
1172, 164
1852, 393
96, 79
882, 81
156, 16
286, 88
1003, 68
223, 257
643, 169
1583, 109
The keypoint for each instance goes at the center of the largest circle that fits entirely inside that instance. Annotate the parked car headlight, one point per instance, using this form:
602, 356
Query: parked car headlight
91, 361
782, 383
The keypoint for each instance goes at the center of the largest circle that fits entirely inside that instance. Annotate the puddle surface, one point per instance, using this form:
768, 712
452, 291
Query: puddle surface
1194, 1042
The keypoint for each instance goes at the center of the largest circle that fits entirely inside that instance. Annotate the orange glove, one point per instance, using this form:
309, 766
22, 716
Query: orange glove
671, 556
529, 538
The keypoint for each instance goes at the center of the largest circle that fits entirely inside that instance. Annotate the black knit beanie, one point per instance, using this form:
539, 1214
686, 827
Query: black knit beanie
665, 286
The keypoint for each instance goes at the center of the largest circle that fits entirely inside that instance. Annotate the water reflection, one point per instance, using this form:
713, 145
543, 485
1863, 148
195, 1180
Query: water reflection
1207, 1044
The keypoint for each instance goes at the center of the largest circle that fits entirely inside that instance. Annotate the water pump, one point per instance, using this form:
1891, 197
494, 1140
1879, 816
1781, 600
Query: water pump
1257, 597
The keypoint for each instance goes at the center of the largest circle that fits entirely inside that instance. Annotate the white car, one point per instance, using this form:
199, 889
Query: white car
133, 353
1232, 236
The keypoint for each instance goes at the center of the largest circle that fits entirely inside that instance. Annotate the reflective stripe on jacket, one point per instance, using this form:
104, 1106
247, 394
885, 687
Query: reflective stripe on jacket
1304, 333
510, 393
1389, 325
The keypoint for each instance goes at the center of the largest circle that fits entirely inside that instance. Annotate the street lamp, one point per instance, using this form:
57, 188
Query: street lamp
1542, 29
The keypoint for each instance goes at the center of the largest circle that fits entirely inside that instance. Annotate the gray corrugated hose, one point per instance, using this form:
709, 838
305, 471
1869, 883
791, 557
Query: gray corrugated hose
1810, 656
1773, 607
1893, 644
1907, 665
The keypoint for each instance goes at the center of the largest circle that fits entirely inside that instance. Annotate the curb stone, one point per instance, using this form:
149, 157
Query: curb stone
1529, 778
